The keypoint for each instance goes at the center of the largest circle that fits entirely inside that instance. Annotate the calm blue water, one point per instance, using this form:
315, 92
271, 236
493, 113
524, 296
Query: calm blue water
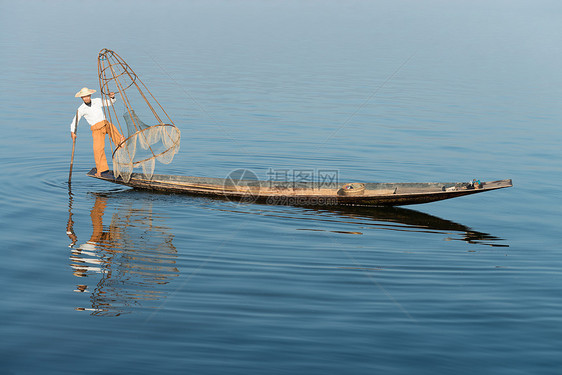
106, 280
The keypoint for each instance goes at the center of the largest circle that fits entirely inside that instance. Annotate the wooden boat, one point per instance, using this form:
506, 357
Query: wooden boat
306, 193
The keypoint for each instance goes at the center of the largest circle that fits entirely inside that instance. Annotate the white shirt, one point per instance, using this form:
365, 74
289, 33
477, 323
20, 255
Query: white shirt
93, 113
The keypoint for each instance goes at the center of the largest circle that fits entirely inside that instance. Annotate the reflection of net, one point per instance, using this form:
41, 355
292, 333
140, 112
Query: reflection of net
156, 139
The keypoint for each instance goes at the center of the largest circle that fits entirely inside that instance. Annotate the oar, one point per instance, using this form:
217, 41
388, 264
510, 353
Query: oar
73, 146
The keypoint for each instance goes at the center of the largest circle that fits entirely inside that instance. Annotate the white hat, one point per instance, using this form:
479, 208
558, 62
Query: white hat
84, 92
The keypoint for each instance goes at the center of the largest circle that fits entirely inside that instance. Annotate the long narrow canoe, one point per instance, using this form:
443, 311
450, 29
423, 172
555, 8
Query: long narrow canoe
307, 193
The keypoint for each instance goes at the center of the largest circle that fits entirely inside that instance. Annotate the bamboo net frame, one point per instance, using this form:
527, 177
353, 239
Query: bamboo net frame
159, 142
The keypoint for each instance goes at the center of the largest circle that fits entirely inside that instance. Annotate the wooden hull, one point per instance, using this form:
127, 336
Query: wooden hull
305, 194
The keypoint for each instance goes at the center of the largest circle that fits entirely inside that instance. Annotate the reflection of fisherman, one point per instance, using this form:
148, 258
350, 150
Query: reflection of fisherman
92, 110
85, 253
98, 235
129, 271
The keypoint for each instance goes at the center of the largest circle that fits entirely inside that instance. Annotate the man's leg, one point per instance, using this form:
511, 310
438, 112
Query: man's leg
116, 137
99, 150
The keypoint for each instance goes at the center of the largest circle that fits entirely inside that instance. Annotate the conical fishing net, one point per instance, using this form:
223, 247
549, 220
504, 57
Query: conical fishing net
149, 133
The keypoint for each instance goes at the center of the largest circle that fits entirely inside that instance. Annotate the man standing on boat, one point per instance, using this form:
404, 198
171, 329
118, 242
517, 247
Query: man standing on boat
92, 111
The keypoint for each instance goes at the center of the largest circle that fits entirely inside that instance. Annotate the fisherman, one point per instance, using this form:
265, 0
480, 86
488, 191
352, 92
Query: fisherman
92, 110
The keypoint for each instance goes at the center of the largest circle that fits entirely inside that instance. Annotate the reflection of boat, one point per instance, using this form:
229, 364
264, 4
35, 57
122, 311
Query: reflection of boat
383, 218
402, 219
306, 193
132, 257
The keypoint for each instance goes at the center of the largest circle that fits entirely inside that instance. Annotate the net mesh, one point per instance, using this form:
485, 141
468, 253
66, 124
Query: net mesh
143, 147
148, 132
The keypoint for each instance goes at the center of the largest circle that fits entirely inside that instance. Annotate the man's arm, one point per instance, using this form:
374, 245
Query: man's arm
74, 123
111, 101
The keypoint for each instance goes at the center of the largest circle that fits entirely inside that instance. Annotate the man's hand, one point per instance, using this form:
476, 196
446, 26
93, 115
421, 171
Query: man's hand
73, 136
112, 95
